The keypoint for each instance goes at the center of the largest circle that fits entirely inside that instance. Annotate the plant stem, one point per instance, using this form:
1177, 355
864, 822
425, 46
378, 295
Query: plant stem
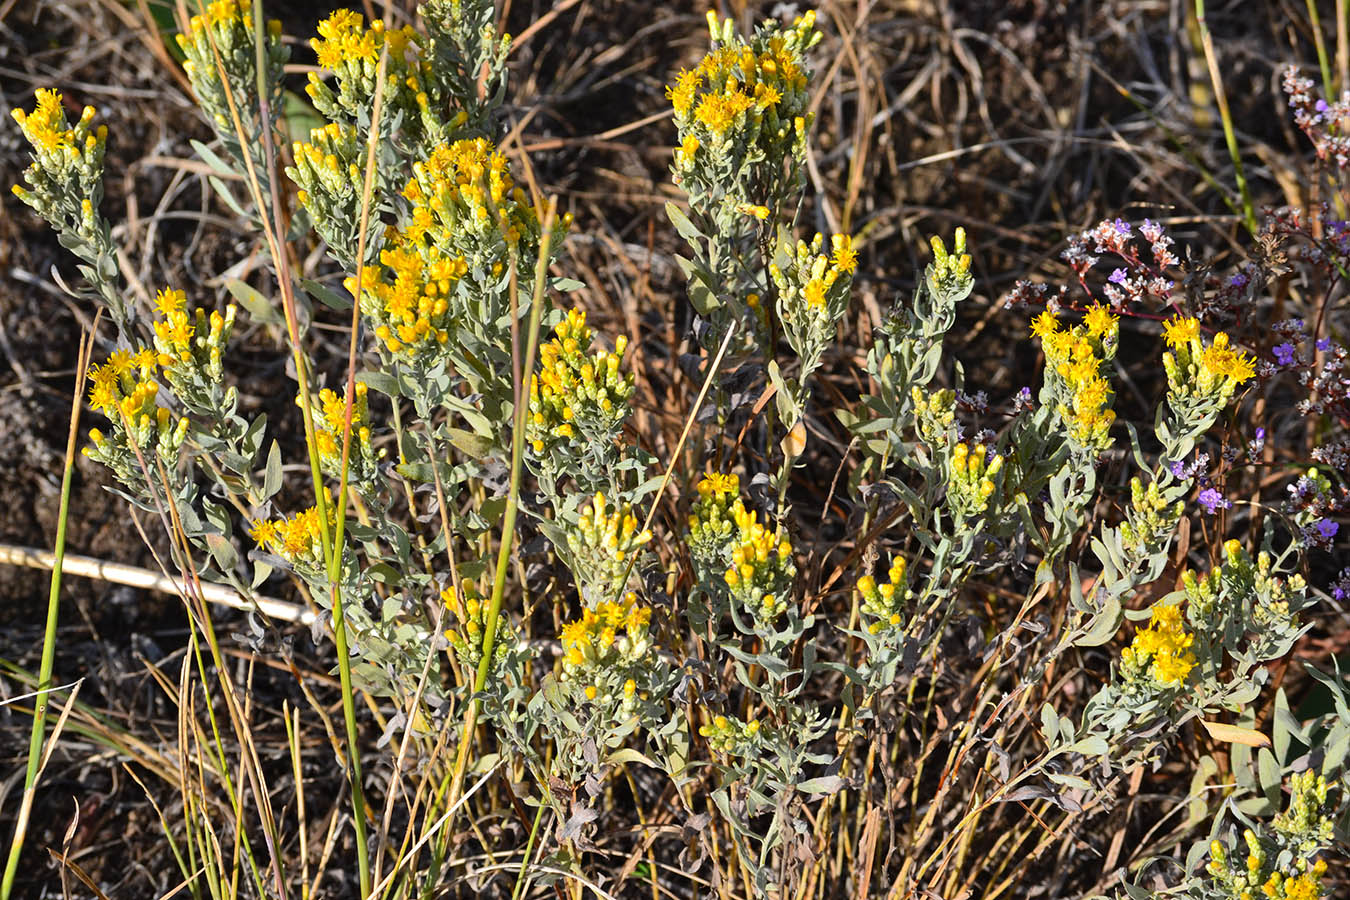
1229, 136
512, 498
335, 558
40, 701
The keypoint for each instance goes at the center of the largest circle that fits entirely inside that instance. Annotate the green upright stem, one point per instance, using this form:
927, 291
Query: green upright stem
1229, 136
1322, 61
512, 500
335, 559
44, 682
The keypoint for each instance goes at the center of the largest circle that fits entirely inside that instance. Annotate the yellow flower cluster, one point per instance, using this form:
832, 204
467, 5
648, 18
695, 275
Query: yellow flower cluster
48, 131
186, 344
1210, 595
730, 735
125, 390
344, 39
970, 479
223, 38
222, 12
328, 163
1162, 649
124, 386
472, 613
297, 539
1243, 879
603, 543
1150, 517
1199, 371
607, 650
934, 413
1307, 886
328, 427
719, 486
761, 572
710, 524
431, 83
66, 175
1075, 359
1306, 817
452, 179
350, 49
576, 389
756, 88
812, 276
882, 601
408, 296
949, 273
466, 188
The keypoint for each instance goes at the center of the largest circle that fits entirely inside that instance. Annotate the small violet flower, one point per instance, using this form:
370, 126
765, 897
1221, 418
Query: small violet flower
1213, 501
1340, 589
1118, 276
1257, 443
1284, 353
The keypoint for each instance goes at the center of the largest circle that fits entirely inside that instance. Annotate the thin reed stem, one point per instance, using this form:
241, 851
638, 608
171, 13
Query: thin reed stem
42, 701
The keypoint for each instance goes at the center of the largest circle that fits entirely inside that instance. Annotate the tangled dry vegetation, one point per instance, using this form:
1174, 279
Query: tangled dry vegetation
931, 482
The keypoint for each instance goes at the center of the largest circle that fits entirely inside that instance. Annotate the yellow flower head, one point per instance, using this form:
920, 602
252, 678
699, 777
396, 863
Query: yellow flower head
1165, 644
719, 112
1180, 331
1044, 325
170, 301
720, 486
46, 125
844, 257
1100, 323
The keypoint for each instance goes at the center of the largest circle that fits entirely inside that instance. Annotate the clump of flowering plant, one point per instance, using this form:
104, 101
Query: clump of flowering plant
604, 546
1076, 361
741, 120
579, 401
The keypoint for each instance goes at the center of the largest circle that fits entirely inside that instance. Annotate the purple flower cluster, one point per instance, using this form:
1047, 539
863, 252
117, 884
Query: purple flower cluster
1209, 496
1320, 534
1328, 382
1030, 293
1186, 472
1139, 280
977, 402
1323, 122
1336, 454
1340, 588
1213, 501
1257, 444
1314, 500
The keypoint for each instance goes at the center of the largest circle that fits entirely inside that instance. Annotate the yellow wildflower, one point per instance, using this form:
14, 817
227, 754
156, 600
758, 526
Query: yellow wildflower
1165, 643
844, 257
1044, 325
1100, 322
720, 111
719, 485
1179, 331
